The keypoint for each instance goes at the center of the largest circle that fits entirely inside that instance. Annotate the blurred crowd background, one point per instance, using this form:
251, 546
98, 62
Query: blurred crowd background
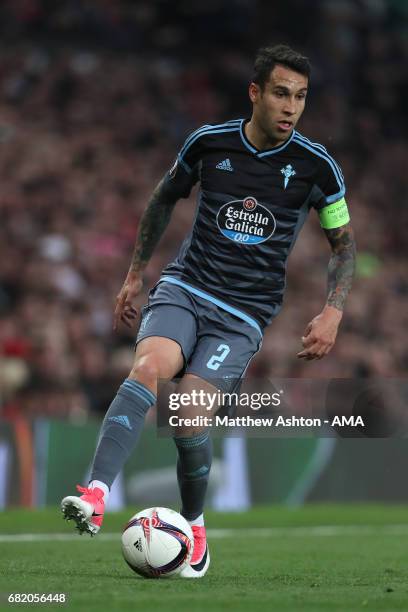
96, 98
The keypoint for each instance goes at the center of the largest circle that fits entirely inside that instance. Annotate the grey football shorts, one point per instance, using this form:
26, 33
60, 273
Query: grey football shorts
217, 345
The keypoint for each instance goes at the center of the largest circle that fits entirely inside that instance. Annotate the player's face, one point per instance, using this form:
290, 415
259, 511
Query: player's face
278, 108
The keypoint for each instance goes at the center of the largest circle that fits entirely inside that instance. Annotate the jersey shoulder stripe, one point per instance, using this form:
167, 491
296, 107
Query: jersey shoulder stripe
324, 155
210, 126
321, 148
228, 126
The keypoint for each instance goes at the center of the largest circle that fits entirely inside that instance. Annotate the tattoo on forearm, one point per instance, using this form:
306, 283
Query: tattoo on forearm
152, 225
341, 265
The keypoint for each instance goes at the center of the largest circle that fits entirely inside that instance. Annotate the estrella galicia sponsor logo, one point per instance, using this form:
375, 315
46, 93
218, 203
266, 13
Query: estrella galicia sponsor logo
246, 221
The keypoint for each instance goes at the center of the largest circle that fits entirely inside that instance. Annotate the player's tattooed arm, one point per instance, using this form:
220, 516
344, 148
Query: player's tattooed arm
152, 225
341, 265
320, 334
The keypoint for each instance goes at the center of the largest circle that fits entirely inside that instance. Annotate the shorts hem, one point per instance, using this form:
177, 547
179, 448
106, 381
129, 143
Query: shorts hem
225, 388
139, 339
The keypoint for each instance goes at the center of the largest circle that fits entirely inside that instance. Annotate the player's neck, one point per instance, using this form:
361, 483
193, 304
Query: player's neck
258, 138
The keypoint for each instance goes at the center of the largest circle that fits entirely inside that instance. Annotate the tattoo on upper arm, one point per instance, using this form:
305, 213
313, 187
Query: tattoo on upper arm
152, 225
341, 265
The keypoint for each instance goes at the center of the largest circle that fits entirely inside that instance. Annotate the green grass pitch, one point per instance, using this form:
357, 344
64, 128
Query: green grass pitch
316, 558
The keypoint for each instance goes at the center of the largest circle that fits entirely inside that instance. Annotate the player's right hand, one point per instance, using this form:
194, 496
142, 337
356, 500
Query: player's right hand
124, 310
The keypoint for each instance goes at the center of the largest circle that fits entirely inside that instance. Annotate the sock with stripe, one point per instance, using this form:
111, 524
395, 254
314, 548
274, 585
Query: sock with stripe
193, 471
120, 430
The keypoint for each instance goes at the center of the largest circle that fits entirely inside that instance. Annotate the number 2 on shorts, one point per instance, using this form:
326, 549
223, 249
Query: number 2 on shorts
216, 360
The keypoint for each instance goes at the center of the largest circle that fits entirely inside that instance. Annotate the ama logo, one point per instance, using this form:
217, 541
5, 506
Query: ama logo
246, 221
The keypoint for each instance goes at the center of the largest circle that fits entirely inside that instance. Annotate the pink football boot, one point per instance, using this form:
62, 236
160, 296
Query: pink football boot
87, 511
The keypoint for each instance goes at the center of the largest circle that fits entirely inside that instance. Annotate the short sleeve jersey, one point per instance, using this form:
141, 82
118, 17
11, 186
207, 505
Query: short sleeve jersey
251, 207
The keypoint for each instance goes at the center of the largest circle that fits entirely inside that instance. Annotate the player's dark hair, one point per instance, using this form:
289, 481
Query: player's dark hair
268, 57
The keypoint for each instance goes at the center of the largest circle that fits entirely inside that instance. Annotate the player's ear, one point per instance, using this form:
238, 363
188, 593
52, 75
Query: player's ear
254, 91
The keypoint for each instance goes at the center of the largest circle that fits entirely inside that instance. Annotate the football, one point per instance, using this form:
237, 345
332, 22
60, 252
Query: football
157, 543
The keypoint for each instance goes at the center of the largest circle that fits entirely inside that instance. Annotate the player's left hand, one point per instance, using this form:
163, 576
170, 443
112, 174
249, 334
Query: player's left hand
320, 334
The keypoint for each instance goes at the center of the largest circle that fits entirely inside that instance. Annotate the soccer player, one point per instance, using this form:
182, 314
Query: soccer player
205, 318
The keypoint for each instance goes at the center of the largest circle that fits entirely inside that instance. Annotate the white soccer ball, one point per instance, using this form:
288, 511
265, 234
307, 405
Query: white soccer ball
157, 543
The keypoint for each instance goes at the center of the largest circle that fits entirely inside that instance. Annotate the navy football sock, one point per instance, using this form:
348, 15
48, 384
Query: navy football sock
193, 470
120, 430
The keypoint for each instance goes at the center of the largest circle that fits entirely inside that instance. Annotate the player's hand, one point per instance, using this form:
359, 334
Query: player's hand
124, 310
320, 334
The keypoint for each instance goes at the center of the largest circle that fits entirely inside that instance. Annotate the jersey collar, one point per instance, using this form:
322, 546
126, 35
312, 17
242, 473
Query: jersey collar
256, 151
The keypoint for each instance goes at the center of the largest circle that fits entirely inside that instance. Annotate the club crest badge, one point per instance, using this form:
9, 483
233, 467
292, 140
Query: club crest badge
287, 172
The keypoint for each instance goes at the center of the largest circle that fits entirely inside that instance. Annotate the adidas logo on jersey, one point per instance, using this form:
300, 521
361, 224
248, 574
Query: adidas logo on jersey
225, 165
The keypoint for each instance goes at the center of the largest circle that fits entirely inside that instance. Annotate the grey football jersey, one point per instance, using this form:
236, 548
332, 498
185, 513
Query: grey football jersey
251, 207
